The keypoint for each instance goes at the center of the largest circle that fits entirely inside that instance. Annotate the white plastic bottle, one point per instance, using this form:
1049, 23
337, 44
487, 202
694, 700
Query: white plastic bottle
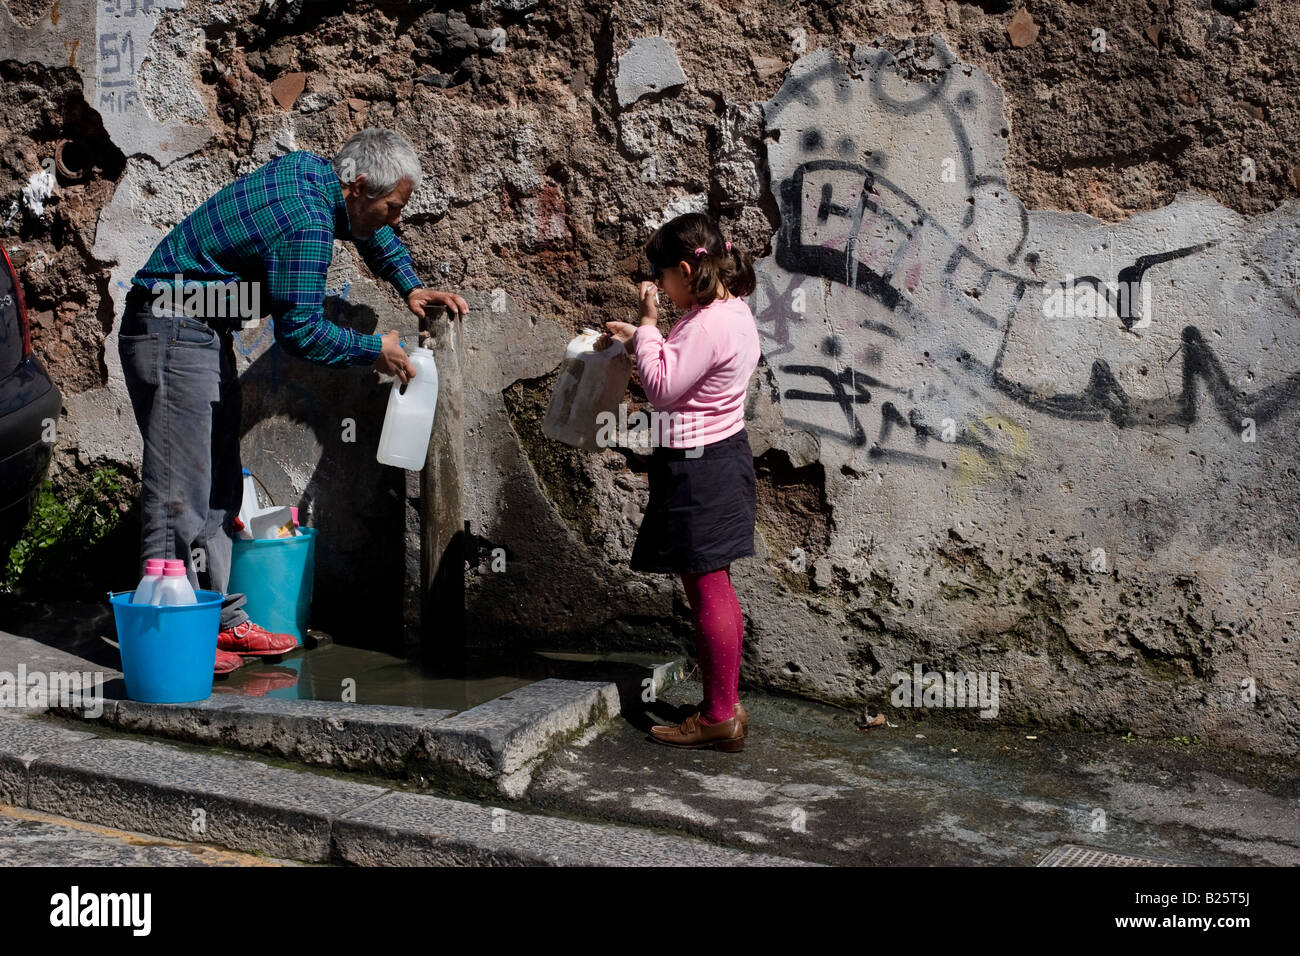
175, 586
590, 382
249, 506
153, 572
408, 421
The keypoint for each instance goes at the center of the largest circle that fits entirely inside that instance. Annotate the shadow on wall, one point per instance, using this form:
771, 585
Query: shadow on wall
301, 418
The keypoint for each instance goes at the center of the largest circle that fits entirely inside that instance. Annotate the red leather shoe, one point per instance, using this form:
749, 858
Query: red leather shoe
253, 641
227, 662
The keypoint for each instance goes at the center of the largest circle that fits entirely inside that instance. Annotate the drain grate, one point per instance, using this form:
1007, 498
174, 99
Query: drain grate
1071, 855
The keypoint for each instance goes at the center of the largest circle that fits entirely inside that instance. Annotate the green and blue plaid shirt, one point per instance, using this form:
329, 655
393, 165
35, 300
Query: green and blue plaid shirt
276, 226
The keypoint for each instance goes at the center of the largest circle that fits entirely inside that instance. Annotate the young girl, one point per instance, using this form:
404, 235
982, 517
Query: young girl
700, 516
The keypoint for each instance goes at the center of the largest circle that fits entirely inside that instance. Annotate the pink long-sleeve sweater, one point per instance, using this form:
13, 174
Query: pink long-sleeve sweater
699, 376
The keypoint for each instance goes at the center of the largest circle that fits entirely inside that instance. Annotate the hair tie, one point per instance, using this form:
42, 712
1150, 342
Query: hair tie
699, 251
728, 245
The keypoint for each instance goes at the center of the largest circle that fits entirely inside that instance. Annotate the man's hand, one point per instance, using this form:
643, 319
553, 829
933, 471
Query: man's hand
393, 360
420, 298
649, 296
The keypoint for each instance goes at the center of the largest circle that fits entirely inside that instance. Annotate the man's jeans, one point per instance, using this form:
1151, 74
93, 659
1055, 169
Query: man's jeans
181, 376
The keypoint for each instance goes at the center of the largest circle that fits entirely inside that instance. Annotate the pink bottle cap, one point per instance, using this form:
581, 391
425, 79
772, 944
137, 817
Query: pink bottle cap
154, 566
171, 572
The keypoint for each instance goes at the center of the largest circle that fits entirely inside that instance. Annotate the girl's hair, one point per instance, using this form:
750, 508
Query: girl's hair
721, 264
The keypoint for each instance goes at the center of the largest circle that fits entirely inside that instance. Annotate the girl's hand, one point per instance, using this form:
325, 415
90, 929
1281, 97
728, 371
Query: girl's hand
622, 331
649, 311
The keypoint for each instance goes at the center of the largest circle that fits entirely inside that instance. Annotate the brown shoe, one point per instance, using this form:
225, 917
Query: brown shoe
740, 712
691, 734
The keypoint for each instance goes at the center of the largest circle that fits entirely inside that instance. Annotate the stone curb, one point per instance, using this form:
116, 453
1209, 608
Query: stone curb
422, 830
245, 805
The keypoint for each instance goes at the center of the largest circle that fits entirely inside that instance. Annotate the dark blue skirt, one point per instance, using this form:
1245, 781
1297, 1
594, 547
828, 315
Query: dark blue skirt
700, 516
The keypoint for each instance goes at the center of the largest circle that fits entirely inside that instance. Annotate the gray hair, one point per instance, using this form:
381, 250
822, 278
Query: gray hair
384, 157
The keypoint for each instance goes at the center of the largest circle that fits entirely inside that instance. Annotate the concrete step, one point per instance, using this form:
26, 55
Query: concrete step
243, 804
489, 749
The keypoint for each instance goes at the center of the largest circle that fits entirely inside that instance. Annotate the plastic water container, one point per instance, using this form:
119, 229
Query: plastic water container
174, 588
168, 651
248, 505
269, 522
590, 382
153, 572
275, 576
408, 421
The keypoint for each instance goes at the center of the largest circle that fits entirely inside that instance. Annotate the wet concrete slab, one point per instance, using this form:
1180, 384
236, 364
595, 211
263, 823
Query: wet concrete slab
810, 785
36, 656
491, 747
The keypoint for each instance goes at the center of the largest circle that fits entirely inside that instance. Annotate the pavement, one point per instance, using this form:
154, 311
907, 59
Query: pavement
562, 772
810, 785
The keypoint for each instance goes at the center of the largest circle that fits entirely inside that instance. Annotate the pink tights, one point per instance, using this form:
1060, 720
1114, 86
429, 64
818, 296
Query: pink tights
719, 631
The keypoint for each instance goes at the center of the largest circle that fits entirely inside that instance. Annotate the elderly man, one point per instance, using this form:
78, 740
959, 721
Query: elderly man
269, 237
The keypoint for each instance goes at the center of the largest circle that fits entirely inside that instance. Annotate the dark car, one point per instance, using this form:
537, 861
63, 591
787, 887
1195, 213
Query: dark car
29, 407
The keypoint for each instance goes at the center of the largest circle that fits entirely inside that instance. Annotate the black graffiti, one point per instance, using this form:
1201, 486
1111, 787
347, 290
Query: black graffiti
899, 221
794, 255
891, 418
1130, 277
848, 388
1102, 398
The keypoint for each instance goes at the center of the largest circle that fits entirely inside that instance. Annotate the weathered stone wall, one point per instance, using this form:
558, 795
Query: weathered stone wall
1099, 507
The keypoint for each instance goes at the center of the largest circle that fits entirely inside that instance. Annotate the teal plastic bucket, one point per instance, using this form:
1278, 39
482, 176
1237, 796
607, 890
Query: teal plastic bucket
168, 652
275, 575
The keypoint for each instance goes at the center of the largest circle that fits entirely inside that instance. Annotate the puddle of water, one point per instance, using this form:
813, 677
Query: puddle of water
336, 672
329, 671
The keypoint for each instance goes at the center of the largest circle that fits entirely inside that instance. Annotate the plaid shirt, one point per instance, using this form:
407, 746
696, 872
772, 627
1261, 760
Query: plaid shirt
276, 226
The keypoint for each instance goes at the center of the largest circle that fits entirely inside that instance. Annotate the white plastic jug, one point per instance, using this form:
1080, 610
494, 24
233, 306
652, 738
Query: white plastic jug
174, 588
268, 522
249, 506
153, 572
408, 421
590, 382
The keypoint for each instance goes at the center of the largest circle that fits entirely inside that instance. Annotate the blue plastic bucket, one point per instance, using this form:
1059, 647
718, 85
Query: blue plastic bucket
168, 652
275, 575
